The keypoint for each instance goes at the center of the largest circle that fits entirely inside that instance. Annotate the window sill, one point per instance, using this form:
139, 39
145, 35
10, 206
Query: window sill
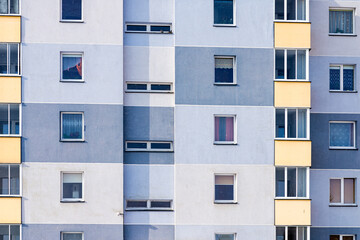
291, 80
225, 143
10, 75
225, 25
342, 35
292, 139
72, 81
131, 91
149, 32
225, 84
11, 14
292, 198
291, 21
72, 141
72, 201
343, 205
225, 202
14, 136
72, 21
341, 91
343, 148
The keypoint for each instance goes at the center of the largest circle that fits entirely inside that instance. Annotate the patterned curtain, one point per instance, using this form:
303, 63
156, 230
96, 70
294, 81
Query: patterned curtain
72, 126
335, 78
348, 78
341, 135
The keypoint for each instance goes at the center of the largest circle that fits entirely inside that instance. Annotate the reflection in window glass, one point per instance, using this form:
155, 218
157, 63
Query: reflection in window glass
223, 12
72, 67
72, 185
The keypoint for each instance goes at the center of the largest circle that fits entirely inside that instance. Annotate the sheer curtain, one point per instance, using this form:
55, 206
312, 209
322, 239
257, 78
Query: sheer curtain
302, 123
72, 126
301, 182
4, 6
341, 21
301, 64
341, 135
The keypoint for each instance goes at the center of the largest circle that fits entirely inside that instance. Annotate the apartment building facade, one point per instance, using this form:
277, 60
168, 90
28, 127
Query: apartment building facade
164, 119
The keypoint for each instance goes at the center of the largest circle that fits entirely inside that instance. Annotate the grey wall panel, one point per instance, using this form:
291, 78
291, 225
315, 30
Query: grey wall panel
149, 232
148, 158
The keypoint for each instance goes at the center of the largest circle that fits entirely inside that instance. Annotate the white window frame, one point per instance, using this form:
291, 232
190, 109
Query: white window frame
285, 65
345, 9
234, 69
285, 13
148, 27
20, 228
285, 182
297, 231
225, 25
71, 20
148, 87
61, 127
342, 77
235, 130
62, 199
286, 124
343, 235
20, 181
148, 147
234, 234
82, 66
8, 60
12, 14
148, 205
354, 135
20, 122
63, 232
234, 175
342, 192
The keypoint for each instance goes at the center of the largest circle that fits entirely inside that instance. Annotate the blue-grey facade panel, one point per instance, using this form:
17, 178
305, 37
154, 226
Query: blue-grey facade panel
90, 231
324, 233
322, 156
195, 77
324, 100
103, 134
148, 158
149, 232
149, 123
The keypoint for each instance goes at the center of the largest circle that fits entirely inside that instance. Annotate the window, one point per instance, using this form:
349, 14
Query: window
342, 77
342, 191
9, 6
9, 180
148, 87
71, 236
72, 67
224, 12
72, 186
225, 129
72, 126
10, 119
71, 10
292, 233
224, 70
148, 27
224, 188
292, 182
225, 236
149, 205
341, 21
342, 134
292, 123
9, 59
342, 237
11, 232
291, 10
291, 64
148, 146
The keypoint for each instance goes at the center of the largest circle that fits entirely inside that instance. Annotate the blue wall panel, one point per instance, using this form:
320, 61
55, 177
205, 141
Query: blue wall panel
149, 232
324, 233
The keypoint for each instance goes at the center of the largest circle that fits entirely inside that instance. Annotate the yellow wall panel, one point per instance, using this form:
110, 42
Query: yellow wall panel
293, 153
292, 35
10, 89
10, 209
10, 28
292, 94
10, 150
293, 212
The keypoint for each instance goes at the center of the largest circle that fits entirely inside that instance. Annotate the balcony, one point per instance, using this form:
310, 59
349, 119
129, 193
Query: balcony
292, 35
292, 94
10, 89
293, 212
10, 209
10, 150
10, 29
292, 153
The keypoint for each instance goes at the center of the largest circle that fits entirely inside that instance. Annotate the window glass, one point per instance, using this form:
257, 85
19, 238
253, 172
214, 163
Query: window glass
14, 119
280, 233
72, 67
14, 59
71, 10
156, 28
72, 186
136, 86
280, 123
301, 64
348, 238
341, 21
302, 233
335, 78
160, 204
136, 145
160, 87
72, 126
291, 233
224, 70
224, 188
4, 232
160, 145
14, 6
72, 236
136, 204
223, 12
348, 78
291, 10
279, 9
291, 182
335, 190
291, 123
280, 182
279, 62
302, 123
15, 232
225, 236
291, 67
349, 190
141, 28
301, 186
14, 179
224, 129
4, 6
4, 119
301, 9
4, 179
341, 134
3, 59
